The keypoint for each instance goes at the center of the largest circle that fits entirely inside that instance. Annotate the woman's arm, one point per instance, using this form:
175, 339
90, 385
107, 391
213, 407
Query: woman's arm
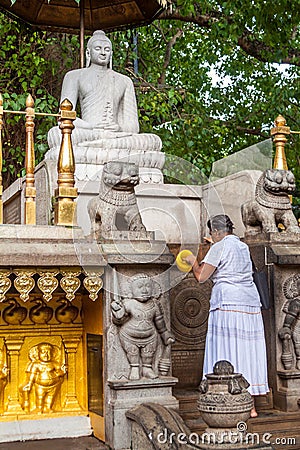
201, 272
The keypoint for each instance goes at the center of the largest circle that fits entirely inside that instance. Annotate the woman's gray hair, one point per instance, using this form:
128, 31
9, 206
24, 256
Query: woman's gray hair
220, 222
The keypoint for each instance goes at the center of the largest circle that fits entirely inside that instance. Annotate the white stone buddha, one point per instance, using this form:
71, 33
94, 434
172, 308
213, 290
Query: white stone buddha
108, 128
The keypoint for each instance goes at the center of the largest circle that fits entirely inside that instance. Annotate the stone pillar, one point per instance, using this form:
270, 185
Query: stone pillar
128, 259
279, 253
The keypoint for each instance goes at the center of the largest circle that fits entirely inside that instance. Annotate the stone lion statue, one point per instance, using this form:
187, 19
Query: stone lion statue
271, 205
115, 208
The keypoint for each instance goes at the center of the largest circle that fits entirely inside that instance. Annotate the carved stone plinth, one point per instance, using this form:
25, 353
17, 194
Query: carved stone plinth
289, 397
137, 353
127, 394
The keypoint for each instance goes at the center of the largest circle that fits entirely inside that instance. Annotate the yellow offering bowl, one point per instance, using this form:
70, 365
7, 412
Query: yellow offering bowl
181, 264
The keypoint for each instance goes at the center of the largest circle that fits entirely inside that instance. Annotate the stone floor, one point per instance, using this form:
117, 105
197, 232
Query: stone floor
82, 443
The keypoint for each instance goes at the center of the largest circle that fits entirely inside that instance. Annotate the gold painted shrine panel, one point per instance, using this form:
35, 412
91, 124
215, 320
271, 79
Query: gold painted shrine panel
42, 368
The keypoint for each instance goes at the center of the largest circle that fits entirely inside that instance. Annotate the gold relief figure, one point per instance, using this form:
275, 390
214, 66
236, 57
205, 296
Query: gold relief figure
45, 376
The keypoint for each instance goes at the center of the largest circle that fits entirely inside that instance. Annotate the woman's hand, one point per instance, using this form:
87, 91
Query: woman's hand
190, 259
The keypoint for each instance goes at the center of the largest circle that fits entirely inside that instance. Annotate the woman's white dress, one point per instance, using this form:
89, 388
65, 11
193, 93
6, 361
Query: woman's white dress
235, 326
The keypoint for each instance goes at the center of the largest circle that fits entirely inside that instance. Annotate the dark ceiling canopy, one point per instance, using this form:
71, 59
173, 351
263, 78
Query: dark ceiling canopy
64, 15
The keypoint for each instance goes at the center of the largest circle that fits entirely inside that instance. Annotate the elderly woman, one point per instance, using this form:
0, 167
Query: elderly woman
235, 327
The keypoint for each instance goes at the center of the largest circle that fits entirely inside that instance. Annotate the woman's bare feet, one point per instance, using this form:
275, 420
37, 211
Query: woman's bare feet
253, 413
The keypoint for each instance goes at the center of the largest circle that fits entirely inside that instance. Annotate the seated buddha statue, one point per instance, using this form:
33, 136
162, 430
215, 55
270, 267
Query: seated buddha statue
108, 127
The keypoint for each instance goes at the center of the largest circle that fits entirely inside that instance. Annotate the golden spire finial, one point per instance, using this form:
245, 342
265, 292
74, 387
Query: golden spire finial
65, 207
280, 131
280, 121
29, 101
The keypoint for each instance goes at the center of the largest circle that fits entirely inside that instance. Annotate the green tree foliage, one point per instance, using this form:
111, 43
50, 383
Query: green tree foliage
30, 62
212, 76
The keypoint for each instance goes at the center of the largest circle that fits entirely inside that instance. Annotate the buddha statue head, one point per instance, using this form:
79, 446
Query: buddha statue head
99, 50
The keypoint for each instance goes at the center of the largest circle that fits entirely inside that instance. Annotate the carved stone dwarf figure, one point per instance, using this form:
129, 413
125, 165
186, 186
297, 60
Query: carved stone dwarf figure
45, 376
115, 208
140, 319
271, 206
290, 331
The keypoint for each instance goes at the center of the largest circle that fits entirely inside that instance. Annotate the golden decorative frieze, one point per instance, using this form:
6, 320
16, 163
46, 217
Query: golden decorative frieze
24, 283
93, 283
5, 283
47, 283
70, 283
14, 314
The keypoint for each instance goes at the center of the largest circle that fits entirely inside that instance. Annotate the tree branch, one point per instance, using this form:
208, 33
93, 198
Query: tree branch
170, 45
247, 42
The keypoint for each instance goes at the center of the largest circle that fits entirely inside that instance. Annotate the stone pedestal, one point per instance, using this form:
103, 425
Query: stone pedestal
125, 260
125, 395
279, 253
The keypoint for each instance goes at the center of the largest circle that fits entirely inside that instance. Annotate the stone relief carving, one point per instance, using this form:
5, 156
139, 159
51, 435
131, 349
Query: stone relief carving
140, 319
272, 204
189, 311
290, 331
115, 208
45, 374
